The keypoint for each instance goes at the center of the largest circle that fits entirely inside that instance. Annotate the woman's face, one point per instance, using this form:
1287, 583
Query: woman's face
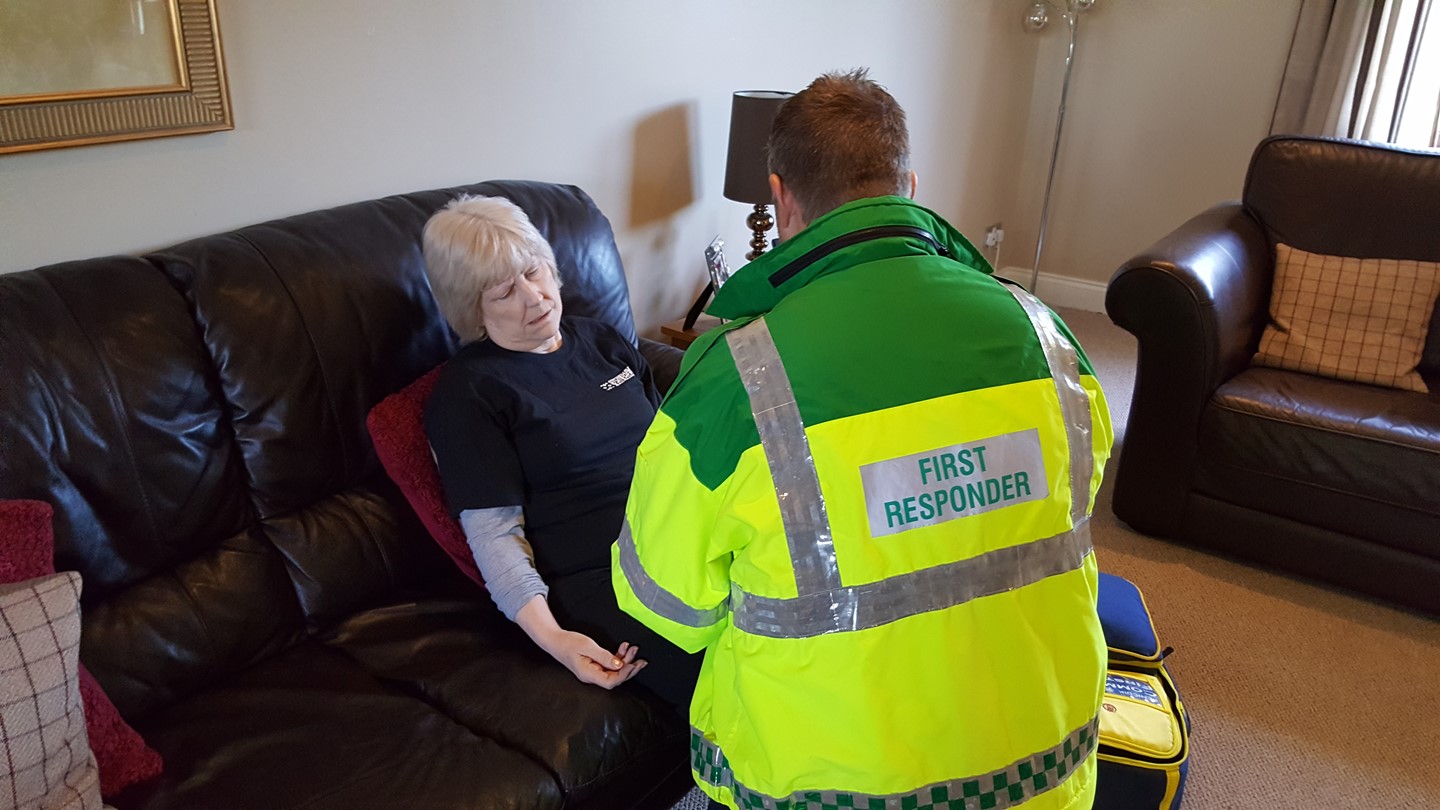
522, 313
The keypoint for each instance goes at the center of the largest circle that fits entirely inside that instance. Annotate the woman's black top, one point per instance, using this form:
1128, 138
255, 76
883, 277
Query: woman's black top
552, 433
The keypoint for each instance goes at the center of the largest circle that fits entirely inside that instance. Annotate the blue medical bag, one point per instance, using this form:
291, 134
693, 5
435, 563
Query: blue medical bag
1144, 729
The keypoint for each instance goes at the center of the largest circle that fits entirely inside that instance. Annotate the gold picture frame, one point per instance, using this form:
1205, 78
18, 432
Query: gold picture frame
76, 116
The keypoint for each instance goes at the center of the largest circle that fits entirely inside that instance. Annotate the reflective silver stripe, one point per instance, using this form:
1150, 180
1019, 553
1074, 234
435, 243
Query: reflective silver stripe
1064, 364
652, 596
823, 604
1016, 783
782, 434
860, 607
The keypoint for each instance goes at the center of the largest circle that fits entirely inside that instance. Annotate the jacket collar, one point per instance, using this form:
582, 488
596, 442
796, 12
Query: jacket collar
751, 291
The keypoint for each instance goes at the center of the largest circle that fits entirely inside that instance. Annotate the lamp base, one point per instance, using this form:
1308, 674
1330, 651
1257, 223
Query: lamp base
760, 222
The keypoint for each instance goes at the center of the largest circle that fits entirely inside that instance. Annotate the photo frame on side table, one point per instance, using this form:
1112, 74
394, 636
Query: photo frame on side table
77, 72
716, 264
719, 271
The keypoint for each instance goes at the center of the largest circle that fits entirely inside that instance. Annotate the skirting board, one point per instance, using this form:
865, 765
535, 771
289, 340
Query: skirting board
1061, 291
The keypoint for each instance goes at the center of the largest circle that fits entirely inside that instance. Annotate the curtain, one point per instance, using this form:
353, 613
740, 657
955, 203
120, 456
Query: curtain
1366, 69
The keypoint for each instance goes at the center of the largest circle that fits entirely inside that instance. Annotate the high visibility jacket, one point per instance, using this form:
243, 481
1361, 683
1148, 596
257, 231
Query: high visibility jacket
866, 497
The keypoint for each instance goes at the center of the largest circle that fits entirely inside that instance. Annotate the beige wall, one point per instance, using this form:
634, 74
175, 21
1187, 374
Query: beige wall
1167, 102
629, 99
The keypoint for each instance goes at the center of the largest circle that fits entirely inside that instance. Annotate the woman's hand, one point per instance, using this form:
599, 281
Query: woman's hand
590, 662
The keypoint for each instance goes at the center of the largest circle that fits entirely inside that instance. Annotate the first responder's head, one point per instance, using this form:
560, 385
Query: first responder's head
493, 275
843, 138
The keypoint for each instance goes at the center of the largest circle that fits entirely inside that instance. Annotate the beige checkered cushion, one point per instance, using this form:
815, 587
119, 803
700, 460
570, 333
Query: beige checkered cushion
1351, 319
47, 761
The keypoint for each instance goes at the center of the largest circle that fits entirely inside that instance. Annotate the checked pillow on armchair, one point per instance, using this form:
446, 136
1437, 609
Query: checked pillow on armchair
397, 427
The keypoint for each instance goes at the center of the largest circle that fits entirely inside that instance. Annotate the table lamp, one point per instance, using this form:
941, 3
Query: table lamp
747, 166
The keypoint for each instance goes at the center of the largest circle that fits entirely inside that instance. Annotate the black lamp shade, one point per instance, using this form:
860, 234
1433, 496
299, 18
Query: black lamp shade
747, 172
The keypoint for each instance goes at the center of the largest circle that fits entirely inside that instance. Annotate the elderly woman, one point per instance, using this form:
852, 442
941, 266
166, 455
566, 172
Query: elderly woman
534, 425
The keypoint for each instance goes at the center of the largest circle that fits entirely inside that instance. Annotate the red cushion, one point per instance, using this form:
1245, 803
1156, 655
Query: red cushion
27, 544
27, 549
397, 426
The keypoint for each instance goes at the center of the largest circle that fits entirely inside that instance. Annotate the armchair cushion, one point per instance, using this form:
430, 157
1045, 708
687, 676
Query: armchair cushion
1359, 458
1363, 320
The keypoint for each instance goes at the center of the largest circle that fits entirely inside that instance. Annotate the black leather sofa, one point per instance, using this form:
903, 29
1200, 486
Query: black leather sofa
1334, 480
260, 603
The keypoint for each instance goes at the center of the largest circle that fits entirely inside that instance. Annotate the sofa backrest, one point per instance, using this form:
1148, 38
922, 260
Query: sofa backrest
196, 417
1350, 198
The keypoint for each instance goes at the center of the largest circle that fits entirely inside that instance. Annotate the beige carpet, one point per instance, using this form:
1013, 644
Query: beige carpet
1301, 696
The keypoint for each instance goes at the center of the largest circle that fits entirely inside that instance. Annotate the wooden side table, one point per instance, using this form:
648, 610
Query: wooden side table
680, 337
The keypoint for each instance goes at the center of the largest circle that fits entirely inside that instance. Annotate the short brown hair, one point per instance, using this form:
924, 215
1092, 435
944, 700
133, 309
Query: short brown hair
842, 138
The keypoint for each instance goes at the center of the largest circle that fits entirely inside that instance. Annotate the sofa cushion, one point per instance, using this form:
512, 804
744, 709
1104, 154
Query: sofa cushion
109, 412
124, 759
348, 551
47, 763
27, 543
438, 703
465, 659
170, 636
26, 547
1351, 319
311, 321
1357, 458
311, 728
397, 427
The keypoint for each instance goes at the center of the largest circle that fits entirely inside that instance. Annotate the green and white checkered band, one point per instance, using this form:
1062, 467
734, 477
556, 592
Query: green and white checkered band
1064, 364
1018, 782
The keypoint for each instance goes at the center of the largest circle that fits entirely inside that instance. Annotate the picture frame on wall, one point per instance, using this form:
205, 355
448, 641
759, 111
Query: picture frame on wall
78, 72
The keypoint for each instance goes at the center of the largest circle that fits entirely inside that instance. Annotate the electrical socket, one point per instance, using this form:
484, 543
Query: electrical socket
995, 234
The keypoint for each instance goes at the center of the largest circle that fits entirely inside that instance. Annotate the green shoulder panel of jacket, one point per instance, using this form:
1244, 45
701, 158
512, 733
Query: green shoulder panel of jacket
837, 323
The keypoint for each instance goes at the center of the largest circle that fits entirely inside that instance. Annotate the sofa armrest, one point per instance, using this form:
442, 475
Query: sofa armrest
664, 361
1196, 302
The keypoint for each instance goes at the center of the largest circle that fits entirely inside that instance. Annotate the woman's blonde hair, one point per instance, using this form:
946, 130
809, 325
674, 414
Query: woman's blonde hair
471, 245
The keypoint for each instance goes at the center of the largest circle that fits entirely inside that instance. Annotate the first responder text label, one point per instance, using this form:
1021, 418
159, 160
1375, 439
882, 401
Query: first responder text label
924, 489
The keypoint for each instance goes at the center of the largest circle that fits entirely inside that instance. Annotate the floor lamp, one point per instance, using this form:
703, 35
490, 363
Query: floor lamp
1036, 18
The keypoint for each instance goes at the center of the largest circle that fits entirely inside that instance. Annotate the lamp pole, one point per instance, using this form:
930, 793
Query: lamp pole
1036, 18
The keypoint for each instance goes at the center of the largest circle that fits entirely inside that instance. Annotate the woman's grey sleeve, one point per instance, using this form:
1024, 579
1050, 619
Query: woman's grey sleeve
497, 540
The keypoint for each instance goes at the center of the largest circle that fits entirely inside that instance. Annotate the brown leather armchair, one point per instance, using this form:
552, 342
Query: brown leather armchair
1334, 480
